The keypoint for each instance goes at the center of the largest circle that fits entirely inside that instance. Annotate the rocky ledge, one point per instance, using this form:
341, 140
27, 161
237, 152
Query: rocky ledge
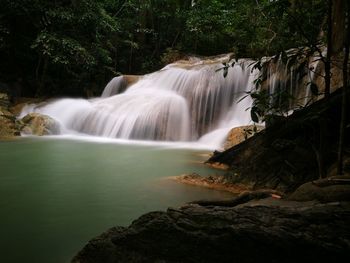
217, 182
253, 227
252, 233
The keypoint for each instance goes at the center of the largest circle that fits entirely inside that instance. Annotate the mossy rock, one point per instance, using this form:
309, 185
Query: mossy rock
8, 127
332, 189
4, 101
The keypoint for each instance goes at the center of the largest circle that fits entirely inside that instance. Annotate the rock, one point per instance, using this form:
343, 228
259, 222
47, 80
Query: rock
242, 198
219, 166
324, 190
4, 101
8, 127
301, 76
22, 102
300, 233
5, 111
131, 79
239, 134
285, 155
38, 124
217, 182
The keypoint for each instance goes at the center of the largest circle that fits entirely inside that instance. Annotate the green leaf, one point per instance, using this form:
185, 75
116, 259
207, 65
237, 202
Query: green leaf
253, 114
254, 95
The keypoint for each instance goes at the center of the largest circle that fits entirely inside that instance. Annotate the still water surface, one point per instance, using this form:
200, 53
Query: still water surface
56, 194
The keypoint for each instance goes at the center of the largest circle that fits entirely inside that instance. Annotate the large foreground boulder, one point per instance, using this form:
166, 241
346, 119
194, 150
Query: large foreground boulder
249, 233
39, 124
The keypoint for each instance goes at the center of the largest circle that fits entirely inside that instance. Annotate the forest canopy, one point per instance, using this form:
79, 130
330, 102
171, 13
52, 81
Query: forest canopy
65, 47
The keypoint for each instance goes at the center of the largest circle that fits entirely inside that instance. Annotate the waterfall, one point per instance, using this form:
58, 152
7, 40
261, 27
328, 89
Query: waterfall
294, 79
181, 102
115, 86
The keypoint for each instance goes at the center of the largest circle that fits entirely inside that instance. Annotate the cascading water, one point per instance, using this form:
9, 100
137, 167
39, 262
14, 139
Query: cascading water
294, 80
181, 102
115, 86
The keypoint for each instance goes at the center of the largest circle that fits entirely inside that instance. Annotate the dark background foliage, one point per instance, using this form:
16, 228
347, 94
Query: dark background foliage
73, 47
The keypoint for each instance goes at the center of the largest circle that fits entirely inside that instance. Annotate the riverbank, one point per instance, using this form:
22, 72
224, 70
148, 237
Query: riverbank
267, 230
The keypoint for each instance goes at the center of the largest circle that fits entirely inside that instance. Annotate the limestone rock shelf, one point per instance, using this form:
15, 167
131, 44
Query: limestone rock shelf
282, 231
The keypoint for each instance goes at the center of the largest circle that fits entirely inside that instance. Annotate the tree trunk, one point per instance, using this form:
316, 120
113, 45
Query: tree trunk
338, 25
329, 51
340, 165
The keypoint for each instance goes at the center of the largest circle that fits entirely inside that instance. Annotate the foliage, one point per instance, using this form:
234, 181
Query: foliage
55, 38
68, 46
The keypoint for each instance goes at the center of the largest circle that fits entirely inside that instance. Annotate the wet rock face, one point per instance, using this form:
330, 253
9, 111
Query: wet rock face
38, 124
222, 234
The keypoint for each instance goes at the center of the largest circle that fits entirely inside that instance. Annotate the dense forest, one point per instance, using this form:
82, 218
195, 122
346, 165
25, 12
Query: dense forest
73, 47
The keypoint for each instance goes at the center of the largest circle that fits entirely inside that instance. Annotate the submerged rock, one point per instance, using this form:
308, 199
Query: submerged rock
217, 182
251, 233
39, 124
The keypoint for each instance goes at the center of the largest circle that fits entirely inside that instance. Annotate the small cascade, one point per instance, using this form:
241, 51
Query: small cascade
115, 86
189, 100
181, 102
293, 81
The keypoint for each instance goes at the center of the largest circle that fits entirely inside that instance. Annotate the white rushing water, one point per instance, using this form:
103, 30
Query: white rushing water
184, 102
